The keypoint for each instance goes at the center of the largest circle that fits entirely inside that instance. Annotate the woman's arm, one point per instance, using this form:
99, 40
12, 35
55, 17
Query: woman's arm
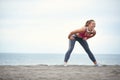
76, 31
92, 35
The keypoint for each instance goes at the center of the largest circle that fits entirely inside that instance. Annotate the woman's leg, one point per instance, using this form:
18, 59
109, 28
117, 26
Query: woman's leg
68, 53
87, 49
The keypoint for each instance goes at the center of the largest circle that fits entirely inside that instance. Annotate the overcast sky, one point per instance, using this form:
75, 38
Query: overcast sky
42, 26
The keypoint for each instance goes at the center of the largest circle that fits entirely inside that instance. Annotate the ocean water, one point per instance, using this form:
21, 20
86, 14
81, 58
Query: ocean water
56, 59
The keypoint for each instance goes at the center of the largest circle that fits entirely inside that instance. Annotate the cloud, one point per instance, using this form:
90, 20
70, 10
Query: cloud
43, 26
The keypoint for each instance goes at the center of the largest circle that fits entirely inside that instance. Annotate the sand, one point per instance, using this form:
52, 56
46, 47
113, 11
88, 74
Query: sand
59, 72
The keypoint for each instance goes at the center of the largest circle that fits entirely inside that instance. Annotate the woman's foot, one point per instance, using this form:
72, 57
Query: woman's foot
65, 63
97, 64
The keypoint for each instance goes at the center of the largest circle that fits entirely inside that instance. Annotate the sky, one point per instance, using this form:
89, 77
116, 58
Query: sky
42, 26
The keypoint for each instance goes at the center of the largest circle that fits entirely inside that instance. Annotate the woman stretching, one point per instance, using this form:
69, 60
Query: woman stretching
81, 35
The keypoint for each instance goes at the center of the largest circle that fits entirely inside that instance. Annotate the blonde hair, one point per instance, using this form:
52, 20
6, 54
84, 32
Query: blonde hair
88, 22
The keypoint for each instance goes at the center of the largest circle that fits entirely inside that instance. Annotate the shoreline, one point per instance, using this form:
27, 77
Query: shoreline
59, 72
59, 65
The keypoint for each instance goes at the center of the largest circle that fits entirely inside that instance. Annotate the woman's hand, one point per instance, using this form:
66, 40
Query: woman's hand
91, 35
71, 38
85, 38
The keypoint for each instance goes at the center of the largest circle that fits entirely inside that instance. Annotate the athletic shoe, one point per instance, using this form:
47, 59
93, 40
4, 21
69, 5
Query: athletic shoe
98, 65
65, 64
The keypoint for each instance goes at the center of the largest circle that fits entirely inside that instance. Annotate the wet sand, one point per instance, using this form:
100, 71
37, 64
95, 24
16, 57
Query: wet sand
59, 72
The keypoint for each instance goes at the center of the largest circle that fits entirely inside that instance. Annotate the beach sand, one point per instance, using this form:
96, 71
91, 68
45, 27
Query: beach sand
59, 72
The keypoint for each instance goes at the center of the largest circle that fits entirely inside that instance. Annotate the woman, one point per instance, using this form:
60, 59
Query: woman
81, 35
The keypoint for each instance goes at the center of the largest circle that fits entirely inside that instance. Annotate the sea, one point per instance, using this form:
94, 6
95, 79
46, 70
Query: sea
56, 59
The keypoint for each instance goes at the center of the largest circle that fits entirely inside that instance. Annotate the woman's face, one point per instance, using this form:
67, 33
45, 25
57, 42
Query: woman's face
92, 25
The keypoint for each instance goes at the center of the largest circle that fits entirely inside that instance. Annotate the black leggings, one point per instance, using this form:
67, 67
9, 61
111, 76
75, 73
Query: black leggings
84, 45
